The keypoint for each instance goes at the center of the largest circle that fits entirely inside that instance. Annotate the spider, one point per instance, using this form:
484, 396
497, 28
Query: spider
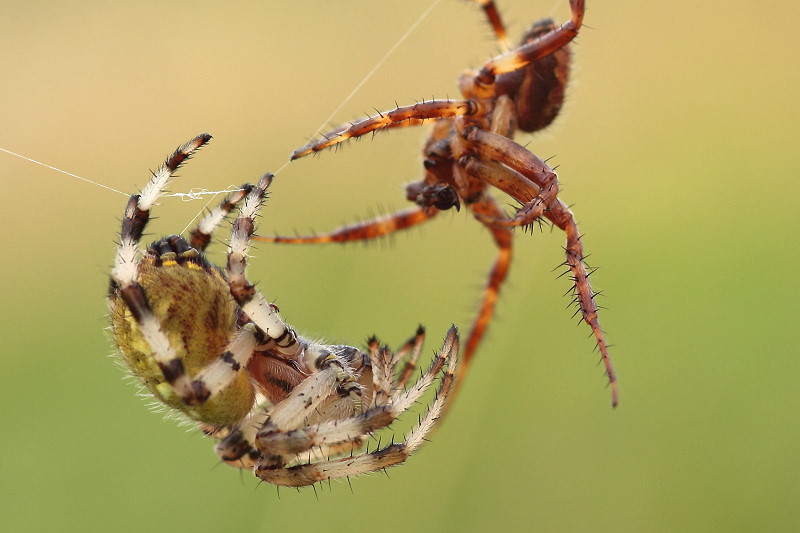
205, 343
471, 150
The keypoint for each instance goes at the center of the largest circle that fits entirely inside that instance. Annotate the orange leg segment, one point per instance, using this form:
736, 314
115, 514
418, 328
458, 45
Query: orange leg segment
361, 231
417, 113
487, 207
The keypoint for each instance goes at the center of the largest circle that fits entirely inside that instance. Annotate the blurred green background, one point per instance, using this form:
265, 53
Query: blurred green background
678, 150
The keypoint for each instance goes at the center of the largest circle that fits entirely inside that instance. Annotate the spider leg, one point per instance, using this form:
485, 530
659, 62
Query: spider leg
362, 231
282, 338
344, 430
535, 173
562, 217
310, 473
237, 450
412, 346
488, 207
236, 445
530, 52
219, 374
334, 376
334, 371
531, 176
493, 16
200, 235
517, 186
382, 362
124, 274
415, 114
384, 390
273, 333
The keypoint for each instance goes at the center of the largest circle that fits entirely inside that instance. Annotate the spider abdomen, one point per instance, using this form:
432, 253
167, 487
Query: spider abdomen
192, 302
538, 89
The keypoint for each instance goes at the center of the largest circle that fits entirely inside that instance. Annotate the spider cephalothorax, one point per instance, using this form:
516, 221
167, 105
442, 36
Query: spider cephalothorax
207, 344
470, 152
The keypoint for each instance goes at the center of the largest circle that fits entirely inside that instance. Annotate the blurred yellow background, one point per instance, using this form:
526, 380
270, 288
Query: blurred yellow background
677, 148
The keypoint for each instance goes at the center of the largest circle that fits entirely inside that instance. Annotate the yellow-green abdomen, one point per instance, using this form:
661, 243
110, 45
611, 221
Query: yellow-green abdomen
193, 304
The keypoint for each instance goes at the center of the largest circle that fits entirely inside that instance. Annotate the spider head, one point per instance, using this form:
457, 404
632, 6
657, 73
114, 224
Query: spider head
538, 89
441, 195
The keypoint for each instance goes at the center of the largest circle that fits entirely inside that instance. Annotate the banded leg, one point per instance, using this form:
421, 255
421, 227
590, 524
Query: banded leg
416, 114
124, 275
362, 231
219, 374
236, 446
308, 474
319, 395
333, 378
388, 400
344, 430
282, 338
237, 451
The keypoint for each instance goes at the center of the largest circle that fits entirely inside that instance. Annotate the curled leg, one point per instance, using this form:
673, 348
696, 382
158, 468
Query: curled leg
490, 146
332, 432
310, 473
333, 377
515, 185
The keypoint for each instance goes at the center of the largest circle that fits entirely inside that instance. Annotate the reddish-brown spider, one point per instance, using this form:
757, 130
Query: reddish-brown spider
471, 150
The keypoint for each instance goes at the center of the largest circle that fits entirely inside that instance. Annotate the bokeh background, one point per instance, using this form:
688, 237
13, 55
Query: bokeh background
678, 149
